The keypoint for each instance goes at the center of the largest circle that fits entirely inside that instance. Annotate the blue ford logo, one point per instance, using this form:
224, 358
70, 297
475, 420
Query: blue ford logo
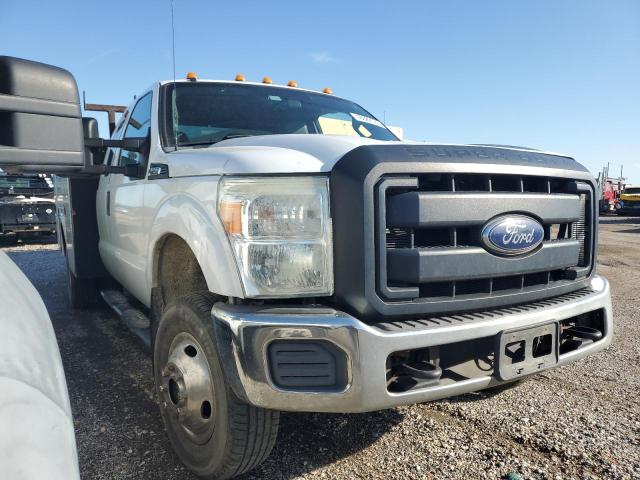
512, 235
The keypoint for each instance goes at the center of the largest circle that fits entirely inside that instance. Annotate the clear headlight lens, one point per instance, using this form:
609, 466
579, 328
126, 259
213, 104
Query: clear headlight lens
280, 232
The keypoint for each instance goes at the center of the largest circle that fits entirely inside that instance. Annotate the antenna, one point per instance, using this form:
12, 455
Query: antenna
174, 116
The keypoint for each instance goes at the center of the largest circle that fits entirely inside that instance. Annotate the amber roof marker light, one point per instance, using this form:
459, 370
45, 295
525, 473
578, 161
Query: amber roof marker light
327, 90
192, 76
240, 78
292, 83
267, 80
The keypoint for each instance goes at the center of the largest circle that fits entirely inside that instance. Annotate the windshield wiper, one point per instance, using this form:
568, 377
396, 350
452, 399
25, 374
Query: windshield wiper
235, 135
196, 144
211, 142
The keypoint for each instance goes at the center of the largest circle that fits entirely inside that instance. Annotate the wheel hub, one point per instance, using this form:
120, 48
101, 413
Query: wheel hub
187, 389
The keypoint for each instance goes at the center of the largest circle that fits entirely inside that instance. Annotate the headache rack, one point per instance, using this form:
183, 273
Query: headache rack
429, 236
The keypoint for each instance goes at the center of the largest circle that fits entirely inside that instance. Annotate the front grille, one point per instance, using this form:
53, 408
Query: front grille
407, 222
429, 229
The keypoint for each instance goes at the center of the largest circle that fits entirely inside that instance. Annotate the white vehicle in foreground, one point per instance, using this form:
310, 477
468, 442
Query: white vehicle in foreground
36, 433
281, 249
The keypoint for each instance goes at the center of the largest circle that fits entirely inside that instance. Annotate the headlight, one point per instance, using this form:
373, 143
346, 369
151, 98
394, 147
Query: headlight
280, 233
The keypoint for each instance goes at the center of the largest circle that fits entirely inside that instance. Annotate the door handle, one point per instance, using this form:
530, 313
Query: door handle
108, 202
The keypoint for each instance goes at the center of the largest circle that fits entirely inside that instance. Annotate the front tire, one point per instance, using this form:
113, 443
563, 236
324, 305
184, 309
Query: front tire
215, 434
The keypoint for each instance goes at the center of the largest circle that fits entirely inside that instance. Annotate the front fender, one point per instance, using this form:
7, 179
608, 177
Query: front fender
187, 208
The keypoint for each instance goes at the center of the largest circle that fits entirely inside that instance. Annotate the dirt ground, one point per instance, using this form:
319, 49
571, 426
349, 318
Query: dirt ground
579, 421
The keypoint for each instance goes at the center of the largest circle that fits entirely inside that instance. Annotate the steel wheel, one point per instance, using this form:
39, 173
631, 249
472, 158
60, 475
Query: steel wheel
187, 389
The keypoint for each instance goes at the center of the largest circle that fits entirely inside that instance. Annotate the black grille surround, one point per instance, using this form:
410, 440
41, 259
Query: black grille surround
407, 221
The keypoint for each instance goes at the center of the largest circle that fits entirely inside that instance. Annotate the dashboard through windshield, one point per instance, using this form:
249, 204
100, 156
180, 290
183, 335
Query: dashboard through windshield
205, 113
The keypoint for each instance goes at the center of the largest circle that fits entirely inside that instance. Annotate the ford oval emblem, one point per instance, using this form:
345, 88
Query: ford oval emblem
512, 235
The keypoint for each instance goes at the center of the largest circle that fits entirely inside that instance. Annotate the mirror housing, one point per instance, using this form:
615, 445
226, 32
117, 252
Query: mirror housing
134, 170
40, 119
92, 156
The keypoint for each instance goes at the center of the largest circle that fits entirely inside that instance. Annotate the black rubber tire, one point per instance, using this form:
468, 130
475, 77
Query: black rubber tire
243, 435
83, 293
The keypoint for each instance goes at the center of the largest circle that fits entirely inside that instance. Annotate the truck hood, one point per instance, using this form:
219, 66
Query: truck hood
266, 154
270, 154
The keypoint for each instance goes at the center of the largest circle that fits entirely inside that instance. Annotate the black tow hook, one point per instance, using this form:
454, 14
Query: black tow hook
421, 370
415, 374
576, 336
583, 333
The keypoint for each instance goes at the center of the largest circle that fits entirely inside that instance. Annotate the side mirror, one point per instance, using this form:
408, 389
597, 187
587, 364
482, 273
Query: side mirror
92, 156
40, 120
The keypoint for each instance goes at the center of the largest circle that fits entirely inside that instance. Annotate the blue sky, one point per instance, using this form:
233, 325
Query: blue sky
554, 74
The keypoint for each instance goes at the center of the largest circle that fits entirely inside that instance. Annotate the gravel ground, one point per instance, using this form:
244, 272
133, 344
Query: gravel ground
580, 421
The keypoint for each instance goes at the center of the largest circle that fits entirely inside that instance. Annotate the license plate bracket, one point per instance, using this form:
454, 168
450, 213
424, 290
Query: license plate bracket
526, 350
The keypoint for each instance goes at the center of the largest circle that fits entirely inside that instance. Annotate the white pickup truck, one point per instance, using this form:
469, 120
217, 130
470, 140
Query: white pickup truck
281, 249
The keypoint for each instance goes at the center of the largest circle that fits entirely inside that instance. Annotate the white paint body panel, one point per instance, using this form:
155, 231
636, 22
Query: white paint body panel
36, 439
266, 154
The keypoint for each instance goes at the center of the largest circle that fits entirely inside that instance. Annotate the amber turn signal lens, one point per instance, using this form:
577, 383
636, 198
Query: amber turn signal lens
231, 216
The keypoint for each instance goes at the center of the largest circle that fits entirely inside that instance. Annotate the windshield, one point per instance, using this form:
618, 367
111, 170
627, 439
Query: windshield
25, 184
632, 191
206, 113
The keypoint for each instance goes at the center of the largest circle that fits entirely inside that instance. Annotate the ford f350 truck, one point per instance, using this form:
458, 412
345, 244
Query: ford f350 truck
281, 249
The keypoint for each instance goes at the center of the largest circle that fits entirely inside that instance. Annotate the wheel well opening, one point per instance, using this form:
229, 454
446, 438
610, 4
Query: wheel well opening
178, 271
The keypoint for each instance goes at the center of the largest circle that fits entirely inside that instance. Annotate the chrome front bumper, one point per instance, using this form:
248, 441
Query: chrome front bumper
243, 335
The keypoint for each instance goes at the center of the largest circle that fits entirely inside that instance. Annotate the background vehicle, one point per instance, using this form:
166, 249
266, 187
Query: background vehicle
36, 439
629, 201
27, 208
273, 266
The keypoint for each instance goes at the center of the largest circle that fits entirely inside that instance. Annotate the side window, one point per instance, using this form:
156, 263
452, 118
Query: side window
138, 126
113, 156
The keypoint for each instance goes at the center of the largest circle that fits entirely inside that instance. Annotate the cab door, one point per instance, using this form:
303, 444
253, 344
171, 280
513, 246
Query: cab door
124, 249
103, 195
